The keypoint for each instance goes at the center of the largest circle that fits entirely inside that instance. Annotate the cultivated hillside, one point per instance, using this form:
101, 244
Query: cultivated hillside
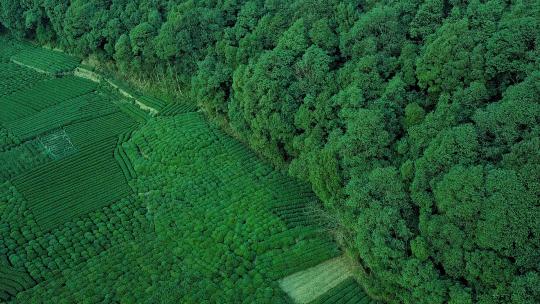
416, 123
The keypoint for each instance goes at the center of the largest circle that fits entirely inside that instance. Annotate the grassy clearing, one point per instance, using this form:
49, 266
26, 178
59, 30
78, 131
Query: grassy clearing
307, 285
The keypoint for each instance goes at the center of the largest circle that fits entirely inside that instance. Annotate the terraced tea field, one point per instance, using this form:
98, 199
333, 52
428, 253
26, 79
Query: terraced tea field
111, 196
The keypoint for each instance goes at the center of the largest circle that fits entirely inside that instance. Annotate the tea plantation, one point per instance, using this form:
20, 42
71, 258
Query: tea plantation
105, 201
403, 139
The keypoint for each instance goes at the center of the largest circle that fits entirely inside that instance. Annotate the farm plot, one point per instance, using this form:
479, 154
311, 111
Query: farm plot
210, 195
154, 103
16, 78
66, 247
123, 160
95, 207
134, 111
214, 238
41, 96
57, 144
137, 271
46, 61
59, 191
78, 109
12, 281
61, 142
105, 127
44, 253
60, 182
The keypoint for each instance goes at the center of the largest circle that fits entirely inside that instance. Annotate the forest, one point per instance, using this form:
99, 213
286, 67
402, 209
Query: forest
416, 123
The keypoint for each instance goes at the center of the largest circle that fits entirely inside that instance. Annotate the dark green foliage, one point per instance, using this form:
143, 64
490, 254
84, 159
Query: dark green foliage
415, 122
7, 140
21, 158
12, 281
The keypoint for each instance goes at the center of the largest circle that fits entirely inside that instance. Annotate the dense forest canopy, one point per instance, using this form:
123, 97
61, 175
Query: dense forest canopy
416, 122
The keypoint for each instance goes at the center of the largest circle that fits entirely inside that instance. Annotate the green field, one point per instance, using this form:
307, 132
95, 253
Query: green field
102, 201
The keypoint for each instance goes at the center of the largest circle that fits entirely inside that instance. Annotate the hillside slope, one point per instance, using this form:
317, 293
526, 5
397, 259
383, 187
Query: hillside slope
101, 201
415, 122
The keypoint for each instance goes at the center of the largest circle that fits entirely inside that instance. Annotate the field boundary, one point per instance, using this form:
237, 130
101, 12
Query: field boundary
130, 95
40, 70
99, 78
87, 74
